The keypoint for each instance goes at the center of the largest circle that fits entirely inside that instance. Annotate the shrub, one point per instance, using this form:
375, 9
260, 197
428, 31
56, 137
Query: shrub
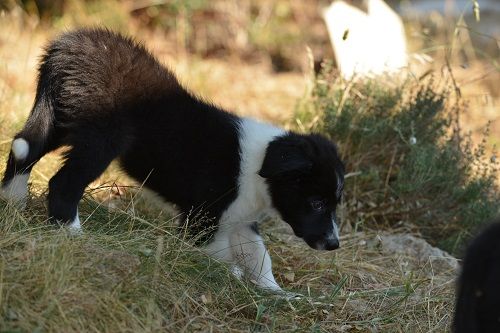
410, 163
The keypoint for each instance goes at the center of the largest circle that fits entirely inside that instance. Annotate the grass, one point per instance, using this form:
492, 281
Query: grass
133, 271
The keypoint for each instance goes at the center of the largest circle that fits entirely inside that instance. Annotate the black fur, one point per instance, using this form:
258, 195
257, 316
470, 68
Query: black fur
303, 174
106, 97
478, 300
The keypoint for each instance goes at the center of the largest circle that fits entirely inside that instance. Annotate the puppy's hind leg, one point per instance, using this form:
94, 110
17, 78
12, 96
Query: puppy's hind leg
15, 183
28, 146
89, 157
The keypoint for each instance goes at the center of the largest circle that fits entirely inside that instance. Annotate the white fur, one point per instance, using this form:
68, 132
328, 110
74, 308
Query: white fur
321, 244
235, 242
16, 189
75, 226
253, 195
249, 252
335, 229
20, 149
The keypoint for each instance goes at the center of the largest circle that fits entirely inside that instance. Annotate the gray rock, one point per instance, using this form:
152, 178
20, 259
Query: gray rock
419, 252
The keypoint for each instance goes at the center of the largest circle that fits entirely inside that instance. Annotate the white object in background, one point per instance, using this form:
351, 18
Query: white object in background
366, 43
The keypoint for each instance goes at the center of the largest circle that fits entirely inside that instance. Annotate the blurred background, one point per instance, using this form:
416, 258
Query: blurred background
252, 56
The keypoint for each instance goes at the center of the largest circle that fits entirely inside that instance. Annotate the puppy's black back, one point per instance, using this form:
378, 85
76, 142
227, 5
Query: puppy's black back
107, 97
478, 300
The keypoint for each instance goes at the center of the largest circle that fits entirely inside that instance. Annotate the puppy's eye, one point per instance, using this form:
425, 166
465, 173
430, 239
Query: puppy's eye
318, 205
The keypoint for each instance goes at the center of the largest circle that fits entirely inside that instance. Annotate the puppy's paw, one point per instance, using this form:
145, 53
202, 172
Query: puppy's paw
284, 294
16, 202
289, 295
15, 191
75, 227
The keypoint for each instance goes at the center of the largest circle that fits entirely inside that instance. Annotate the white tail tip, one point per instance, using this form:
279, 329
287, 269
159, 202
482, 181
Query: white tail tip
20, 149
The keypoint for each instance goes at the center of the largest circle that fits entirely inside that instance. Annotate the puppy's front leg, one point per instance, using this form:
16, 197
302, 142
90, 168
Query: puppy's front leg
250, 254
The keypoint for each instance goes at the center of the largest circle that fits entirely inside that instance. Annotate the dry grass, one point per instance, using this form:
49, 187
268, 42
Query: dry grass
132, 271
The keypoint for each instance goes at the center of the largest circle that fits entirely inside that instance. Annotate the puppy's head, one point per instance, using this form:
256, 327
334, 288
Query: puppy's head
306, 178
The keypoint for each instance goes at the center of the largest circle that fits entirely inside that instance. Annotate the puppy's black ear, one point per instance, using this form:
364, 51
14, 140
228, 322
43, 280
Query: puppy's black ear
285, 156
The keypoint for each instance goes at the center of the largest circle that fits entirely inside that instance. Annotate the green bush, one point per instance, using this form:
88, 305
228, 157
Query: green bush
411, 164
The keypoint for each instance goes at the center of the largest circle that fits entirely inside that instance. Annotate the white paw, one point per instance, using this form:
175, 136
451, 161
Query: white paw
236, 271
75, 227
16, 190
288, 295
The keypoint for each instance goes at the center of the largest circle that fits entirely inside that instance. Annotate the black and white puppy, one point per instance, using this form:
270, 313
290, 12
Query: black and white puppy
478, 297
107, 97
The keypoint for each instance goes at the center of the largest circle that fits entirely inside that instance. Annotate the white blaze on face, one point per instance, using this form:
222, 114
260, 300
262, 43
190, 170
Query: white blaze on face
338, 193
335, 228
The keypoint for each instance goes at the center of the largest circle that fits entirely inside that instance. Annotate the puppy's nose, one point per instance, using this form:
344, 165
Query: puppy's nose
332, 244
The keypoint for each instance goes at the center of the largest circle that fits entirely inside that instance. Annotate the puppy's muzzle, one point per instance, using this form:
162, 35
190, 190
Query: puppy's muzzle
330, 240
328, 243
